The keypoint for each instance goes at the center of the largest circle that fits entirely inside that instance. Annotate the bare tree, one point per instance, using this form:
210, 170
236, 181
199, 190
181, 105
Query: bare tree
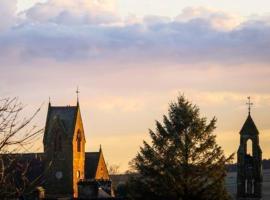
113, 169
16, 134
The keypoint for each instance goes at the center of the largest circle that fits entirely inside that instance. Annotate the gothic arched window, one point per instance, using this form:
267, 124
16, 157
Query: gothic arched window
78, 140
58, 142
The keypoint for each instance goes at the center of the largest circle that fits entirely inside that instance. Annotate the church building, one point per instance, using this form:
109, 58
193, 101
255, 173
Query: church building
64, 163
65, 160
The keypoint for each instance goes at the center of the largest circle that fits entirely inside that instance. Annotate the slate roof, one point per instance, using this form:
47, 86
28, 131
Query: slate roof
36, 163
36, 160
65, 115
249, 127
91, 164
16, 164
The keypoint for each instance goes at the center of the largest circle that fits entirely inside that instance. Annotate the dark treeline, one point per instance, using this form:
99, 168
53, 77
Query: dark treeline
233, 167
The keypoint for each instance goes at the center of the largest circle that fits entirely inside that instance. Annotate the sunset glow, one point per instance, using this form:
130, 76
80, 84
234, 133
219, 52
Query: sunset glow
130, 58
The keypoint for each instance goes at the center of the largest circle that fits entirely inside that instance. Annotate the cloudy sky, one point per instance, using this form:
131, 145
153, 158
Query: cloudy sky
131, 58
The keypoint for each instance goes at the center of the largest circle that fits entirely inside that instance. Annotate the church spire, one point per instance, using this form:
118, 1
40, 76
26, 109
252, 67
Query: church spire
49, 101
249, 125
77, 92
100, 148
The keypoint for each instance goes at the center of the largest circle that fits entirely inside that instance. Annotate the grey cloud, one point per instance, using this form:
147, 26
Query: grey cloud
8, 16
69, 12
153, 39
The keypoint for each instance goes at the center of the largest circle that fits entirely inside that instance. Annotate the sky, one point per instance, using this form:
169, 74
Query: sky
130, 59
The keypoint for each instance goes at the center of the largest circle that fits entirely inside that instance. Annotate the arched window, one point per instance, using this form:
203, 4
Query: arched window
78, 140
249, 147
57, 142
78, 174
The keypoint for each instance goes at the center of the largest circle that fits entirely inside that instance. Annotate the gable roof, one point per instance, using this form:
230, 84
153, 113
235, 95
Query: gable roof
65, 115
249, 127
91, 164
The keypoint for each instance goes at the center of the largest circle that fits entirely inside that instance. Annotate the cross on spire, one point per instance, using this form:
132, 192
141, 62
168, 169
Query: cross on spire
249, 103
77, 92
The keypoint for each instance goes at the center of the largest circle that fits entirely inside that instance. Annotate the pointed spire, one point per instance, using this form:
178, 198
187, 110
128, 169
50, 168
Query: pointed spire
100, 148
49, 101
77, 92
249, 127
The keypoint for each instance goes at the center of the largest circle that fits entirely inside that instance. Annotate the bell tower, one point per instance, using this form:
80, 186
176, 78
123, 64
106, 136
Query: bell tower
249, 161
64, 151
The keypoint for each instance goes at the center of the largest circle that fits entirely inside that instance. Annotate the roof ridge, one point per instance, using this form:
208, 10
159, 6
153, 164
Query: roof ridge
68, 106
92, 152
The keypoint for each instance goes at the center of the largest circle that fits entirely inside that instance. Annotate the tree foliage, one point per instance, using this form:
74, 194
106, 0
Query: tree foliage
183, 161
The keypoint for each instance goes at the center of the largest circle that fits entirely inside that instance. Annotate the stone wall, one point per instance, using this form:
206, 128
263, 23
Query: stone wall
78, 157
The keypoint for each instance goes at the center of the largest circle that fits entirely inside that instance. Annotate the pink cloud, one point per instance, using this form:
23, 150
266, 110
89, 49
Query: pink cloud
218, 19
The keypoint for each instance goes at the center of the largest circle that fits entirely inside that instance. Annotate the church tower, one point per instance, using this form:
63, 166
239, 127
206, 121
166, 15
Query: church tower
64, 151
249, 162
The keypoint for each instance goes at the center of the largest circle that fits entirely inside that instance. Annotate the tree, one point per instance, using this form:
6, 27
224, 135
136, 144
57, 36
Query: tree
16, 135
183, 161
113, 169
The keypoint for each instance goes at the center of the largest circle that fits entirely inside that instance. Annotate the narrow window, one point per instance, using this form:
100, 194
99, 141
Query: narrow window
246, 186
57, 142
249, 148
79, 138
78, 174
253, 183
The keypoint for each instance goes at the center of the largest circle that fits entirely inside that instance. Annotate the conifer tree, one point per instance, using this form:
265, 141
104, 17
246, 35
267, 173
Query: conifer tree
183, 162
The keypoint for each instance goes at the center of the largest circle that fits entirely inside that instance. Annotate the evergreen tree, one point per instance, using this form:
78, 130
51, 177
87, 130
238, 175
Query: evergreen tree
183, 162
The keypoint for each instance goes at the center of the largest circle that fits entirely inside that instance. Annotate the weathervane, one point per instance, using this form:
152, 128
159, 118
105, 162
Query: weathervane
249, 103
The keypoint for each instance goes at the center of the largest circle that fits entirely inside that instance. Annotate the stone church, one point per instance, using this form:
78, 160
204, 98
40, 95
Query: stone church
64, 163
